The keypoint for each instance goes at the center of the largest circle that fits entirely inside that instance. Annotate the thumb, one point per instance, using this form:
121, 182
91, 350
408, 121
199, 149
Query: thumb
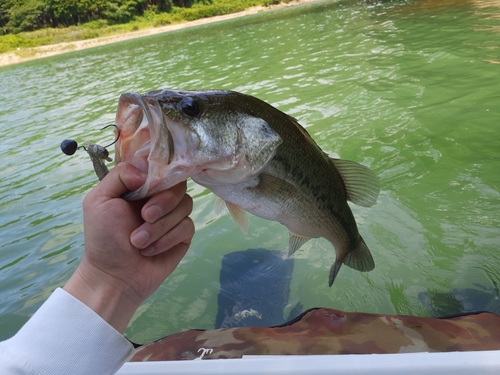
123, 178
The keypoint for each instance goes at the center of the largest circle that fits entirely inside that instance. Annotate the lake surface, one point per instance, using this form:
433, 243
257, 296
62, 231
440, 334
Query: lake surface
409, 88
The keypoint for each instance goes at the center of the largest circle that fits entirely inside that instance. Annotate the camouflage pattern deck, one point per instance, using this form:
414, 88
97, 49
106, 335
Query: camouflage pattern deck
328, 331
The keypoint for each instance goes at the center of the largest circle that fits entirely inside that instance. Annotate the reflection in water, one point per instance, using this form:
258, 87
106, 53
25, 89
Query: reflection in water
461, 301
254, 288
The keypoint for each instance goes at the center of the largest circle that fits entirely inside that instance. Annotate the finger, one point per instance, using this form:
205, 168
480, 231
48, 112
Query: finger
148, 233
169, 260
122, 178
162, 203
181, 234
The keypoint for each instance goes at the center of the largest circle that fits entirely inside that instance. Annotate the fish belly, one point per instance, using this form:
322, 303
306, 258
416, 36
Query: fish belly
297, 211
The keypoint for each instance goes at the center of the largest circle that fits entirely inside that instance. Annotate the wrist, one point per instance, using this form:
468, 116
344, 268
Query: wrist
110, 299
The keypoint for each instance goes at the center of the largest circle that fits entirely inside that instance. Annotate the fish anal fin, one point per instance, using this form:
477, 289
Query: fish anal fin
360, 258
334, 270
295, 242
239, 216
361, 183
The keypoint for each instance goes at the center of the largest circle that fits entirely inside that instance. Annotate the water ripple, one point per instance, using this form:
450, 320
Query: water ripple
409, 88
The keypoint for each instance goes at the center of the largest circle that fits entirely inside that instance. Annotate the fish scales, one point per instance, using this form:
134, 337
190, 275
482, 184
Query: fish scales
254, 157
313, 171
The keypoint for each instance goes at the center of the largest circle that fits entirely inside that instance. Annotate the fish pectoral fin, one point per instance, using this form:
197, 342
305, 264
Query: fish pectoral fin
269, 184
219, 206
239, 216
295, 242
360, 258
361, 183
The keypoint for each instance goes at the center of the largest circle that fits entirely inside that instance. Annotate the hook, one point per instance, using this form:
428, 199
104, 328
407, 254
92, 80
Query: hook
117, 138
112, 143
69, 146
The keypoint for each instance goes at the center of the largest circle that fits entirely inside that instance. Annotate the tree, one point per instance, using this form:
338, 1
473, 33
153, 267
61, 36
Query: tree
27, 15
4, 14
24, 15
123, 10
70, 12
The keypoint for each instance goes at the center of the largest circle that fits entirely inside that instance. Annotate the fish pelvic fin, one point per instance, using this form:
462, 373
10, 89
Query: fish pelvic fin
295, 242
360, 258
237, 213
219, 206
239, 216
362, 185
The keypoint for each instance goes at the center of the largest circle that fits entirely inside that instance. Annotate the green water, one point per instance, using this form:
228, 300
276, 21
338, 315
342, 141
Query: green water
411, 89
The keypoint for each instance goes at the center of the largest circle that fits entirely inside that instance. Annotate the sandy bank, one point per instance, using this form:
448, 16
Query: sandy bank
57, 49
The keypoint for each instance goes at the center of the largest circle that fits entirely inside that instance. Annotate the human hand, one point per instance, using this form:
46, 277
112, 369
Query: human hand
130, 247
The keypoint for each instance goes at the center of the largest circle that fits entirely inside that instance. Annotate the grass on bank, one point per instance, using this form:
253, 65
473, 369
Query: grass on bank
101, 28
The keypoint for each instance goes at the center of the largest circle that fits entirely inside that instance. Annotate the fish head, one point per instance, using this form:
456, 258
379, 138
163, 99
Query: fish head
209, 136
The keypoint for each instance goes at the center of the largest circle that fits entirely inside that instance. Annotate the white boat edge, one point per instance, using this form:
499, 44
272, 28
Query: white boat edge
456, 363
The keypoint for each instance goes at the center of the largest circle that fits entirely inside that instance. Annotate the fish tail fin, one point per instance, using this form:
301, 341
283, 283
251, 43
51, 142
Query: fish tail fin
359, 259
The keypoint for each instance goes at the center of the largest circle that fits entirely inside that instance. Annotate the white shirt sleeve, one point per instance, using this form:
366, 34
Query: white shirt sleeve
64, 336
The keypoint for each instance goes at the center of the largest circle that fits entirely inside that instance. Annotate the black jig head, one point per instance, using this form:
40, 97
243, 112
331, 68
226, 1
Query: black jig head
69, 146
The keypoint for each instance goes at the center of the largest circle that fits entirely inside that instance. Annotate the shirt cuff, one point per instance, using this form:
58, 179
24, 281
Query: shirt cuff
65, 336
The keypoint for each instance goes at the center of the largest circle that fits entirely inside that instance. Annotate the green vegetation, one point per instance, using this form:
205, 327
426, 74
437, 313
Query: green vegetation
32, 23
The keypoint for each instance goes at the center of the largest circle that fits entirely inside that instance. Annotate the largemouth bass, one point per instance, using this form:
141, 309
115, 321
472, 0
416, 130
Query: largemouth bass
254, 157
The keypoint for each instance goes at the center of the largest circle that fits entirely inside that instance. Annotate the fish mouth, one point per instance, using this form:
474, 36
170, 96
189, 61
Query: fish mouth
147, 138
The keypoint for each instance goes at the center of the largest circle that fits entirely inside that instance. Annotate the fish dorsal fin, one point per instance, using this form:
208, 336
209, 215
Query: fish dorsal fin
295, 242
360, 258
361, 183
239, 216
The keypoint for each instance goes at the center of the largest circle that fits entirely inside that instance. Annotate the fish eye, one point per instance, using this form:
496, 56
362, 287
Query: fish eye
190, 107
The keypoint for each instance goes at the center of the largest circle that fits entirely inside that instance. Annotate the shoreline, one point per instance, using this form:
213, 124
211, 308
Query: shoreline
27, 54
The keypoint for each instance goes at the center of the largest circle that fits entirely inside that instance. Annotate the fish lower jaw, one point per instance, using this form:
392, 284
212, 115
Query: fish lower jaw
164, 176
